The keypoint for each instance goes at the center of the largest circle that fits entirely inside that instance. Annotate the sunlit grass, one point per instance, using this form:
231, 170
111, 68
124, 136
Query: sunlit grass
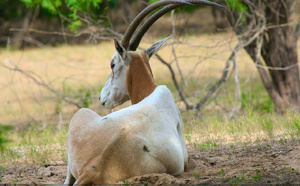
246, 128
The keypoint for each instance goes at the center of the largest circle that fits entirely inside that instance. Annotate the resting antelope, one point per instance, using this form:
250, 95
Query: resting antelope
146, 137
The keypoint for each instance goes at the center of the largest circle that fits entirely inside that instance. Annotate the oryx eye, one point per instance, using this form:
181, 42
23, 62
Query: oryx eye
112, 66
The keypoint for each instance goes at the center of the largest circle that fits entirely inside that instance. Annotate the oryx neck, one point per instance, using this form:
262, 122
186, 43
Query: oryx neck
140, 82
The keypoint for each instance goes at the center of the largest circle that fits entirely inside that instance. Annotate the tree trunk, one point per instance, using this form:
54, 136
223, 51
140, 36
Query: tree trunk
280, 51
278, 48
19, 38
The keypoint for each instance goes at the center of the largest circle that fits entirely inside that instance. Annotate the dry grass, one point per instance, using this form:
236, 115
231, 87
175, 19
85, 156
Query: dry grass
64, 68
73, 70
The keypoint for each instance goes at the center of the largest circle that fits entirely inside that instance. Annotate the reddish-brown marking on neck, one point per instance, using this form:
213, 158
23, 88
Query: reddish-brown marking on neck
139, 78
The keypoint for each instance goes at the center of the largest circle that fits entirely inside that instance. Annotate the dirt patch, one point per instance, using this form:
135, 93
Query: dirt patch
264, 163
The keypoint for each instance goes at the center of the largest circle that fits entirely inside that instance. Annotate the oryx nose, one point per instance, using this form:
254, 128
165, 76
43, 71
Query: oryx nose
102, 103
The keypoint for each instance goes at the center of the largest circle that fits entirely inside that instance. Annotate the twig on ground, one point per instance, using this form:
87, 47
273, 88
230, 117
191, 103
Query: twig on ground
34, 182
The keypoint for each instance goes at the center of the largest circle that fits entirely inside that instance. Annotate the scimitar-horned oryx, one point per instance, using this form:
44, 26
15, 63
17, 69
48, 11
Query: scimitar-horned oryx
146, 137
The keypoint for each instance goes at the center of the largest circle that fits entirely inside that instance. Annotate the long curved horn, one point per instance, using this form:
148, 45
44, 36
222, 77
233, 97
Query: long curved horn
138, 19
149, 22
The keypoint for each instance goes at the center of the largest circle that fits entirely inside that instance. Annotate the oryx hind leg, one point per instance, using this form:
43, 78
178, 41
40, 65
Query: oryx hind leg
70, 180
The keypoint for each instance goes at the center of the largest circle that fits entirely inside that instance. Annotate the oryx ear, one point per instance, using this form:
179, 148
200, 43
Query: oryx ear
122, 52
154, 48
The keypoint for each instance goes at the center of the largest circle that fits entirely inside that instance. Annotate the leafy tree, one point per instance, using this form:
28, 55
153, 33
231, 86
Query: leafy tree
72, 9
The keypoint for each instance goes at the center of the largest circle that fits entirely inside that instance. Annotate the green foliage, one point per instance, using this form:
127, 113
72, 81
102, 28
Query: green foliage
260, 102
2, 171
85, 97
81, 5
15, 181
222, 173
258, 175
74, 25
58, 106
237, 5
55, 6
267, 106
297, 127
51, 5
3, 136
238, 180
86, 101
196, 175
126, 182
232, 147
73, 8
246, 98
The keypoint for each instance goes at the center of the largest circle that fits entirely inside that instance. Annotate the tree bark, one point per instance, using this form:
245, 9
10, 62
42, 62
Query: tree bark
280, 50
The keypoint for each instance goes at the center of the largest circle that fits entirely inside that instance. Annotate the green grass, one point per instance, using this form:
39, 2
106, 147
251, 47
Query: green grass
36, 144
209, 131
45, 144
3, 138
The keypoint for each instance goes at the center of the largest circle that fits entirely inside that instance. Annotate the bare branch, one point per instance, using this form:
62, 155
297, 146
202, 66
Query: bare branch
111, 31
218, 84
203, 101
84, 32
173, 49
174, 80
39, 81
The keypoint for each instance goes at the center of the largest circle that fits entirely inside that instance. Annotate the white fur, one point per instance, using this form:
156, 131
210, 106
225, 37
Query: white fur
114, 92
140, 139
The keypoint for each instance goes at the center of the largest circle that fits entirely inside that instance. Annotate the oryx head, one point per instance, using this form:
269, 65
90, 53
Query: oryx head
115, 91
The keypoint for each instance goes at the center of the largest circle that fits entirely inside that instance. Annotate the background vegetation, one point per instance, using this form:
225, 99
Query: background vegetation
43, 86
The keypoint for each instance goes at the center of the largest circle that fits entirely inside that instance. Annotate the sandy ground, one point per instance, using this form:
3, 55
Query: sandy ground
264, 163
